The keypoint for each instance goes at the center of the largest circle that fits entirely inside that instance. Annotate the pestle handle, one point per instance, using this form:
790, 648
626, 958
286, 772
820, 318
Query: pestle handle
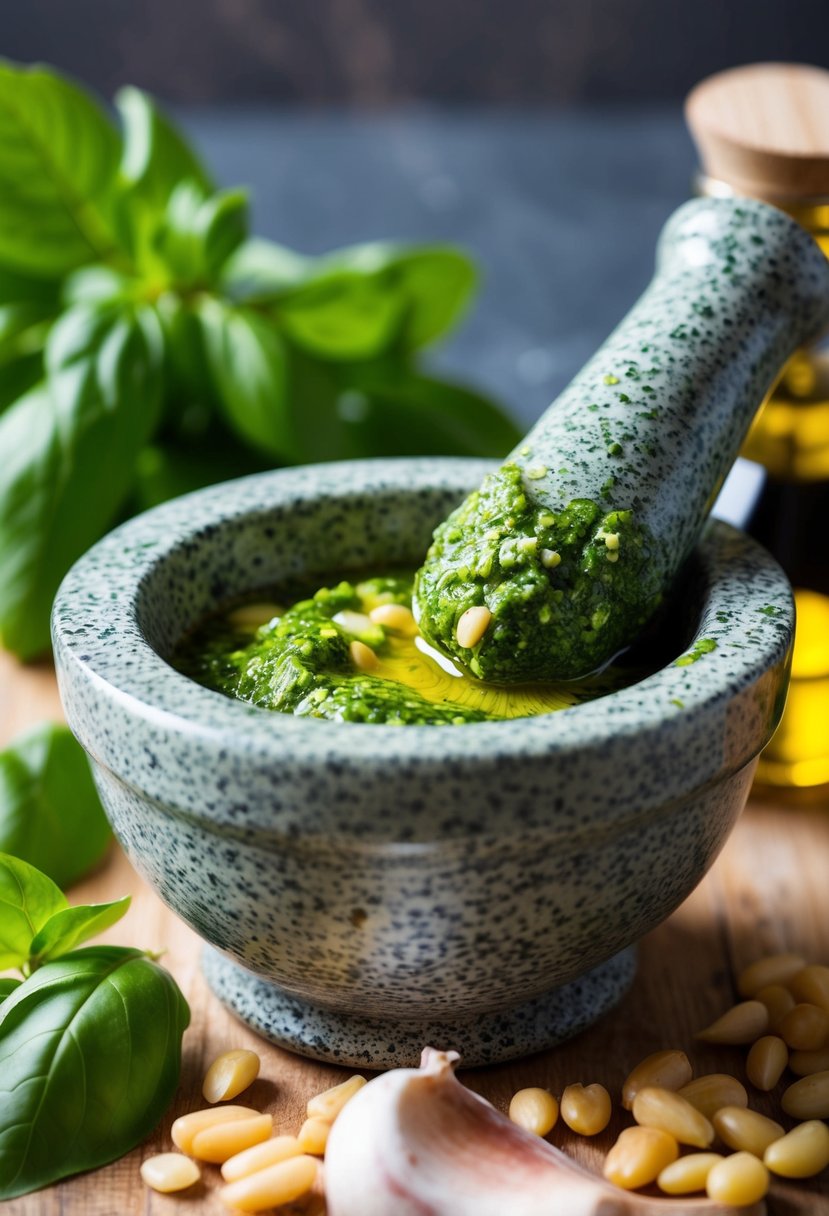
570, 547
763, 129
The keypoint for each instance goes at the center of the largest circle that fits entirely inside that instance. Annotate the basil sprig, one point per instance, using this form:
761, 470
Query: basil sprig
149, 345
50, 813
90, 1040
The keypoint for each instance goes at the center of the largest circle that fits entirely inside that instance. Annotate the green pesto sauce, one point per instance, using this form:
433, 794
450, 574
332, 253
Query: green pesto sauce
703, 646
299, 661
565, 588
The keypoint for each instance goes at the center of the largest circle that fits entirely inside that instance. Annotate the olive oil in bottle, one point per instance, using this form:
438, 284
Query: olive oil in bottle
763, 130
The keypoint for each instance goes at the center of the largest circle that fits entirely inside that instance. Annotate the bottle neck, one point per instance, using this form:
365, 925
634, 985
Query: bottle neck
811, 213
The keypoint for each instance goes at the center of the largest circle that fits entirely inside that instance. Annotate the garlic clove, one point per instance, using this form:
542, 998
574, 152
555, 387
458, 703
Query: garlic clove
416, 1142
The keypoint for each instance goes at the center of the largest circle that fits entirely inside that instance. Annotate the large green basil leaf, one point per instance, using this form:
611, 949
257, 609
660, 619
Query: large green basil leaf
71, 926
156, 156
70, 449
58, 158
91, 1053
438, 283
246, 358
28, 899
343, 315
50, 813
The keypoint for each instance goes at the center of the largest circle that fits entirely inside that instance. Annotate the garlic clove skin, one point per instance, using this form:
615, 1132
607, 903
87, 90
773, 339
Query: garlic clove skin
415, 1142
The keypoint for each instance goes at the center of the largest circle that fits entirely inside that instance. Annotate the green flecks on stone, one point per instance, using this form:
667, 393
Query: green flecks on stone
610, 378
703, 646
676, 701
614, 449
769, 610
625, 400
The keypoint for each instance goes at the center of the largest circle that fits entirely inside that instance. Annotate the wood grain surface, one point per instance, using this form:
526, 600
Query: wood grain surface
768, 891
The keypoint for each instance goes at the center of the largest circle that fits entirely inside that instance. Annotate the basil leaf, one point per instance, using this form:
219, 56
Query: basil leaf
246, 358
68, 928
259, 270
438, 284
59, 156
27, 900
7, 987
50, 813
91, 1051
18, 377
80, 431
403, 413
199, 234
180, 466
342, 315
156, 156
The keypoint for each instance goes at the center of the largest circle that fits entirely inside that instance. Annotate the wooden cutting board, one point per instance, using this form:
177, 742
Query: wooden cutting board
769, 891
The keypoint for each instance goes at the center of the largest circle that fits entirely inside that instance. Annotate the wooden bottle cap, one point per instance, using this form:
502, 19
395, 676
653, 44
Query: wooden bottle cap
764, 129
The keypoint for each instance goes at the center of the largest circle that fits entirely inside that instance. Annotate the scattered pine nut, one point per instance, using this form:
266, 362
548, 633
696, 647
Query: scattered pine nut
230, 1074
639, 1156
224, 1140
363, 656
767, 1061
671, 1113
353, 622
805, 1028
711, 1092
812, 985
808, 1098
313, 1136
535, 1110
330, 1102
665, 1069
168, 1172
746, 1130
773, 969
778, 1000
742, 1023
472, 626
550, 558
396, 617
688, 1174
740, 1180
272, 1187
187, 1127
804, 1063
269, 1152
802, 1153
586, 1109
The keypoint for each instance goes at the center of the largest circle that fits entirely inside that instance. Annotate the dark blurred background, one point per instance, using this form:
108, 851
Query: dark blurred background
546, 136
380, 53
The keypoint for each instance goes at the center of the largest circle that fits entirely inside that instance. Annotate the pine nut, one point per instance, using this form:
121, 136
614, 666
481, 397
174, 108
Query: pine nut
805, 1028
773, 969
639, 1156
259, 1156
472, 626
187, 1127
742, 1023
535, 1110
313, 1136
712, 1092
808, 1098
766, 1062
224, 1140
396, 617
778, 1000
330, 1102
272, 1187
363, 656
586, 1109
230, 1074
803, 1153
665, 1069
804, 1063
739, 1180
746, 1130
253, 616
168, 1172
688, 1174
673, 1114
353, 622
812, 985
